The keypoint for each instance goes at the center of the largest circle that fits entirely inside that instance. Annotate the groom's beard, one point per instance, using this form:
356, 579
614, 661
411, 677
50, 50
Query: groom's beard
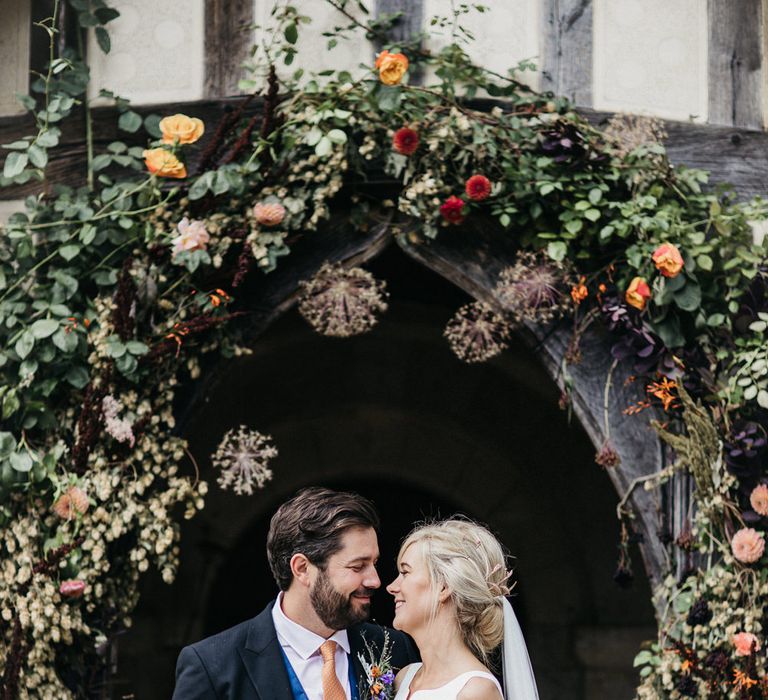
336, 610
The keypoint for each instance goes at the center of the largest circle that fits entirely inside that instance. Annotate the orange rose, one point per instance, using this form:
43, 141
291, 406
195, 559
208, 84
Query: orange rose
668, 260
181, 128
392, 67
71, 503
743, 641
638, 293
164, 163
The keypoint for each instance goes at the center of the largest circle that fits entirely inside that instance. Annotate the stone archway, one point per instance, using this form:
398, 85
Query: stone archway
395, 409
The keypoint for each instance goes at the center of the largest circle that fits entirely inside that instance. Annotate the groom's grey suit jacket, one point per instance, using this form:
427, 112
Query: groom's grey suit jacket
245, 662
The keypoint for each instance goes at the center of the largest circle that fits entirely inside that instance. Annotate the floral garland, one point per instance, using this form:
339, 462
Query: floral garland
137, 275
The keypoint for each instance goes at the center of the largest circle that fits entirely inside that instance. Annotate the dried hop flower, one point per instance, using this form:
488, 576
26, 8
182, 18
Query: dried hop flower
342, 302
535, 288
243, 456
477, 333
626, 133
71, 503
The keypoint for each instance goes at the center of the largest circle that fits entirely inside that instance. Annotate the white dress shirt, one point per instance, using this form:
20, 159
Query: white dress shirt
302, 647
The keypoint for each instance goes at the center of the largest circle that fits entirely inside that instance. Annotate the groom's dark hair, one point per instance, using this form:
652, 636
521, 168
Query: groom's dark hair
312, 523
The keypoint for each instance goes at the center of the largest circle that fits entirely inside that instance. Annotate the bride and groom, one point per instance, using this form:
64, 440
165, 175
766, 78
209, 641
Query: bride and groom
313, 641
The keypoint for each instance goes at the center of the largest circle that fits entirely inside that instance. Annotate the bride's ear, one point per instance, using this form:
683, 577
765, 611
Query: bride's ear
443, 594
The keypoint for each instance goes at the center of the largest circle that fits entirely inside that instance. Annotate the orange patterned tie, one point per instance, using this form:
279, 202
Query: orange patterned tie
332, 688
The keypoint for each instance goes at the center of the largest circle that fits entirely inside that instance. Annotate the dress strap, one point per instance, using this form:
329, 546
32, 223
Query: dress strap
411, 671
460, 681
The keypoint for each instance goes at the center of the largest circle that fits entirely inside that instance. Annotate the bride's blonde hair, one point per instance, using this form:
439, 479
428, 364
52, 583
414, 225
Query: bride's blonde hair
467, 559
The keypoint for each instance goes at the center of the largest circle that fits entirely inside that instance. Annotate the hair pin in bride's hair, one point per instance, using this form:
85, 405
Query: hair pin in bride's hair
499, 587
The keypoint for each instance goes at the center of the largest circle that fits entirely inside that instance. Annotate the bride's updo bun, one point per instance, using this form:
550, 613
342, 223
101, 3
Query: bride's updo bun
470, 562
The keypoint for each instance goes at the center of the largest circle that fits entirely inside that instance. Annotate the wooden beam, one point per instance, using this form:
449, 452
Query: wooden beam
736, 73
732, 155
566, 62
228, 41
411, 20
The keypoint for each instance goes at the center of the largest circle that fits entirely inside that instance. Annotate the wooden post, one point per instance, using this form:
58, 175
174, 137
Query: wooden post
228, 41
737, 78
566, 62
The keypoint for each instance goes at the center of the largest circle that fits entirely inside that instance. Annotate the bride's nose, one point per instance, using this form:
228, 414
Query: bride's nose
393, 588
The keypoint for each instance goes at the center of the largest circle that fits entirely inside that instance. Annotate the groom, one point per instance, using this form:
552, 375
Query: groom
322, 550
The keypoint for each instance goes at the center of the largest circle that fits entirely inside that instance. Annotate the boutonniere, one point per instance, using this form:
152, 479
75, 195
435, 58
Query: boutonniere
379, 680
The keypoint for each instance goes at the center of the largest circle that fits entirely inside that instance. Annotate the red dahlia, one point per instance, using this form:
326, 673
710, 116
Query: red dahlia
405, 141
451, 209
478, 187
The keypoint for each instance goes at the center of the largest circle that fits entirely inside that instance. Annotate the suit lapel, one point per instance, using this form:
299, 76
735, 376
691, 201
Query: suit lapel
263, 659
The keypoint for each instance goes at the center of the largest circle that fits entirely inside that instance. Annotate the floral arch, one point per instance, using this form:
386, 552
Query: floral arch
644, 291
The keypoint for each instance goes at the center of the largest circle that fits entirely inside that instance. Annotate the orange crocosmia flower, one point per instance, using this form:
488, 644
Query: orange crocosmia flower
579, 291
638, 293
164, 163
668, 260
392, 67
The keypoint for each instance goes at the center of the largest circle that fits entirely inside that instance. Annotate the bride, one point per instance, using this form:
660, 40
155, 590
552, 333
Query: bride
450, 597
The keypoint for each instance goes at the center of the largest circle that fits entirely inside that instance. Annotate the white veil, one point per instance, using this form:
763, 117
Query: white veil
519, 681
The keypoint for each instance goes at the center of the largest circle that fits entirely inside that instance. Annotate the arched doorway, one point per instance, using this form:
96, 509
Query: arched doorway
395, 415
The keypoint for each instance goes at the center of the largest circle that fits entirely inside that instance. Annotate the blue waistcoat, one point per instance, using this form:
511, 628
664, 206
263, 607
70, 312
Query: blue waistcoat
298, 691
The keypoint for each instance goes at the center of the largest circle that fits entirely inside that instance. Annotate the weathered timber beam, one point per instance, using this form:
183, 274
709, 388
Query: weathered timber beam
228, 41
472, 258
566, 62
733, 155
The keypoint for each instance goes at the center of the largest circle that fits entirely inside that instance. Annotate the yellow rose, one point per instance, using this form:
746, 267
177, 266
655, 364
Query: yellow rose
181, 128
163, 163
392, 67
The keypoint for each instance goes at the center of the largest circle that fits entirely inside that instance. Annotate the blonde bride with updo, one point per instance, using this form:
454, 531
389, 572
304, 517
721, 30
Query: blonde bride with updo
450, 597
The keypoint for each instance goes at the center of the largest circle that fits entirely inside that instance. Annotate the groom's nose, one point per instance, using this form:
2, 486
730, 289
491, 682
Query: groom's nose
372, 579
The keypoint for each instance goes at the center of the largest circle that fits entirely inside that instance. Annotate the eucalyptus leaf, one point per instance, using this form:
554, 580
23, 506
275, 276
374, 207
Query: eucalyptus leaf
44, 327
15, 162
21, 461
24, 344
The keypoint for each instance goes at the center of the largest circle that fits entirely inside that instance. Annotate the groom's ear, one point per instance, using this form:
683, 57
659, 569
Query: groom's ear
300, 568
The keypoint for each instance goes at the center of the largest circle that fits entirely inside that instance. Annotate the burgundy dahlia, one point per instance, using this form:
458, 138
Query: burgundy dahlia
405, 141
452, 210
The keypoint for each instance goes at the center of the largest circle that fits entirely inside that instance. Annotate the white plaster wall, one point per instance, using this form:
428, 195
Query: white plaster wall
508, 32
157, 52
650, 56
14, 54
313, 54
9, 207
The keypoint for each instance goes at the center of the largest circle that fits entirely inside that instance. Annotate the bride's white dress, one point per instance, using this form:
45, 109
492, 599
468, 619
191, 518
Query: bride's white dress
449, 691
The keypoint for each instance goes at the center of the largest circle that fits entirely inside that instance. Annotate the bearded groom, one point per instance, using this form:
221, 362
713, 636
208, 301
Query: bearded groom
322, 549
